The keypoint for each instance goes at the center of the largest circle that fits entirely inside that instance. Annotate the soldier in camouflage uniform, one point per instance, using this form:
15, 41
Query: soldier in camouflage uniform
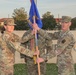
9, 43
63, 48
42, 43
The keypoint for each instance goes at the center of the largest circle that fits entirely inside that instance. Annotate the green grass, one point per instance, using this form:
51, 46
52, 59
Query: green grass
21, 69
51, 69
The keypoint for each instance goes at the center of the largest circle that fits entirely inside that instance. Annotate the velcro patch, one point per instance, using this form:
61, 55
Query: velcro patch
63, 41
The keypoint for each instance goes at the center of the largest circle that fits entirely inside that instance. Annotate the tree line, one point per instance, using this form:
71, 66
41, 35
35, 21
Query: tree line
49, 23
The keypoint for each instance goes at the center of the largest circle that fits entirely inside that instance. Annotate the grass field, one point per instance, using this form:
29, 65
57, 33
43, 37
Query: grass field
20, 69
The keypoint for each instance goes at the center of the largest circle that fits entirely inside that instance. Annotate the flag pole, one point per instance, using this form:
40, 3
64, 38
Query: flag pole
36, 41
33, 19
36, 46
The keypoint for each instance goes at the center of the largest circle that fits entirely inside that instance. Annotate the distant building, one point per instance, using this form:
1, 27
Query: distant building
58, 26
58, 20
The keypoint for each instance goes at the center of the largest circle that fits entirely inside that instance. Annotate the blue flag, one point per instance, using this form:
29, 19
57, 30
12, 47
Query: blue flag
34, 13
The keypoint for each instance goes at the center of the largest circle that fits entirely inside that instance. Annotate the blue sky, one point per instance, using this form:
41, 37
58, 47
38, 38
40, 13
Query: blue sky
56, 7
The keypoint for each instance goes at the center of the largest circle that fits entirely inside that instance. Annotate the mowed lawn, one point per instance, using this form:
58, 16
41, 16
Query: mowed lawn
21, 69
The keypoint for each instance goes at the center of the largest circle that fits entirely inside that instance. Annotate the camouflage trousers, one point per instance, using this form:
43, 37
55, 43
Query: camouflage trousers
6, 70
66, 71
32, 68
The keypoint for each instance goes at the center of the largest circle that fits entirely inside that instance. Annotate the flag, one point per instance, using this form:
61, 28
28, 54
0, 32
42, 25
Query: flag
34, 13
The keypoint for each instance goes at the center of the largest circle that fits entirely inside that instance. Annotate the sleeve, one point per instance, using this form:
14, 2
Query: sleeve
18, 47
47, 35
56, 49
14, 43
50, 53
27, 36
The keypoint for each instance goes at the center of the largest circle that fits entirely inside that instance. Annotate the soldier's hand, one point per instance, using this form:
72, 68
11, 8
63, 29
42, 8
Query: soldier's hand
34, 31
37, 52
40, 60
35, 26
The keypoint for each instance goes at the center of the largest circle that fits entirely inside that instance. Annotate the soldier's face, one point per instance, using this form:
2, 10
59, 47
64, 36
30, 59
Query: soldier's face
65, 25
9, 28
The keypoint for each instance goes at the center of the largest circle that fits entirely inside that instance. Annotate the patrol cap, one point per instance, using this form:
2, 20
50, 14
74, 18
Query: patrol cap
9, 21
66, 19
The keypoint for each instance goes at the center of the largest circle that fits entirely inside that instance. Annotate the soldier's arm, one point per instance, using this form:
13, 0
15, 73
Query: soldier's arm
54, 50
27, 36
17, 46
50, 48
14, 43
47, 35
48, 52
43, 33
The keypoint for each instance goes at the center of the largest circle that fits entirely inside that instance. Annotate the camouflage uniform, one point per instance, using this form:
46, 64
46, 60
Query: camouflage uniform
64, 45
9, 43
32, 68
63, 48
